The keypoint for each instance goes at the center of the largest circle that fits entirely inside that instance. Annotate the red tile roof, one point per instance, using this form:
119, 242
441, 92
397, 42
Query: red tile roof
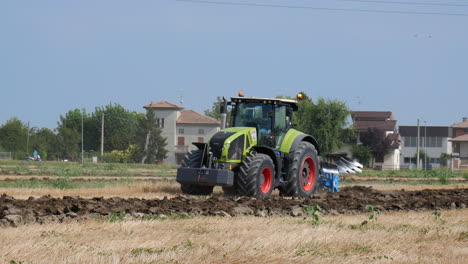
371, 114
462, 138
163, 105
389, 125
463, 124
192, 117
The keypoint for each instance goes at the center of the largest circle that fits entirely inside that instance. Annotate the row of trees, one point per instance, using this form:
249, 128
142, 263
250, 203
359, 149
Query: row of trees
128, 135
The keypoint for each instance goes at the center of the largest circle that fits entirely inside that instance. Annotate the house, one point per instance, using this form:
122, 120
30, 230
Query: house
384, 122
433, 141
460, 144
181, 127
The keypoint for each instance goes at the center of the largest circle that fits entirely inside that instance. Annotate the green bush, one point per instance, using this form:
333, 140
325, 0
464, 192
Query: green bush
362, 153
110, 158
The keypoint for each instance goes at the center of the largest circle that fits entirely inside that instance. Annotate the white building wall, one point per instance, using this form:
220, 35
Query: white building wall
392, 160
432, 152
463, 149
168, 131
191, 133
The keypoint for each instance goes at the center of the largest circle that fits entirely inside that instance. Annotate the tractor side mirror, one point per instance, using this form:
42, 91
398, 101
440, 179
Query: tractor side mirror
223, 106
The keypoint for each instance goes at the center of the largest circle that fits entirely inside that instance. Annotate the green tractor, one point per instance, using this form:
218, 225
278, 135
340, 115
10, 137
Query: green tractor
260, 151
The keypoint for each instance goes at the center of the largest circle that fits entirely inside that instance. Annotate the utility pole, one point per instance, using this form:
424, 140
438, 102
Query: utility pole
417, 150
425, 145
82, 148
102, 135
27, 141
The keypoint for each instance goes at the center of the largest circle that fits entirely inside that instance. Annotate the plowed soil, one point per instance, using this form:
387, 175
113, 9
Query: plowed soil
14, 212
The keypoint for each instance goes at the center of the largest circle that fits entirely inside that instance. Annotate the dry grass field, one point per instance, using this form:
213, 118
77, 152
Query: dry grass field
147, 190
397, 237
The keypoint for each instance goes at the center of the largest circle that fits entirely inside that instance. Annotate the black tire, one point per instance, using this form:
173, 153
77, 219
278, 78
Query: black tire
304, 172
256, 176
194, 160
230, 190
193, 189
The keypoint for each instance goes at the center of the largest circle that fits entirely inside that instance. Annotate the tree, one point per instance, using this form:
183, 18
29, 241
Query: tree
376, 139
13, 135
445, 158
215, 112
150, 141
69, 133
326, 121
67, 142
120, 127
362, 153
45, 141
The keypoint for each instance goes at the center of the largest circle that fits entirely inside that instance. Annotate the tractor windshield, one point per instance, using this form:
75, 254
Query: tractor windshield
271, 121
254, 115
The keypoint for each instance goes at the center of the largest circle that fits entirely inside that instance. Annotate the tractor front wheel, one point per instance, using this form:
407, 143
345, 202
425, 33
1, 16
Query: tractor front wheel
256, 176
193, 189
230, 190
304, 172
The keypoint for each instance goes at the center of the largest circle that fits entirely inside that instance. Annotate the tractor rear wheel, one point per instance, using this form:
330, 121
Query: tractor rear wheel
303, 173
256, 176
194, 160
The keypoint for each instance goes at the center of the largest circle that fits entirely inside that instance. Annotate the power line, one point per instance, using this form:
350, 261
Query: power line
327, 8
403, 3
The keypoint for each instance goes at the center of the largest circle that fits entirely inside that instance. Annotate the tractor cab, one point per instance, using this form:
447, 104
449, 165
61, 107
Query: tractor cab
271, 118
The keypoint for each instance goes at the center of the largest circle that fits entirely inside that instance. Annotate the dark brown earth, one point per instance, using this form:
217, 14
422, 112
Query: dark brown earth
14, 212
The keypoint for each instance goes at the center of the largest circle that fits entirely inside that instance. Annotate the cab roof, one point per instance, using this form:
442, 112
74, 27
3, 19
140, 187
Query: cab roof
292, 103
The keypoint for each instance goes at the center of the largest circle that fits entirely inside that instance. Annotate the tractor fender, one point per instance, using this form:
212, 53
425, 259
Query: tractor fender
202, 146
293, 138
304, 137
272, 154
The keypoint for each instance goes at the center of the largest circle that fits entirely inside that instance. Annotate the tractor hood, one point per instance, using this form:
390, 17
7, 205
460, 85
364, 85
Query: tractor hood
232, 144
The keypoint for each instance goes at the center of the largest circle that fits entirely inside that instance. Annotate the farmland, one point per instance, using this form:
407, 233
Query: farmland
107, 213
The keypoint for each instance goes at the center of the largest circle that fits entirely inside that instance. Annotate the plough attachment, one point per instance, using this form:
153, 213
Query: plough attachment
334, 165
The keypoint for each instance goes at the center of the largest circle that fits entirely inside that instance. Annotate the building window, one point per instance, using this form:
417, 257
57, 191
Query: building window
201, 131
180, 141
430, 142
160, 122
181, 130
201, 140
410, 141
409, 160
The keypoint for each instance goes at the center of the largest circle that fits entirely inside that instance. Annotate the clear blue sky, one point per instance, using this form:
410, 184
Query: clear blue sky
60, 55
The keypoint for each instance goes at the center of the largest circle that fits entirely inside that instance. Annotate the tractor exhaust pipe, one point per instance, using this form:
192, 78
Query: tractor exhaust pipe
223, 110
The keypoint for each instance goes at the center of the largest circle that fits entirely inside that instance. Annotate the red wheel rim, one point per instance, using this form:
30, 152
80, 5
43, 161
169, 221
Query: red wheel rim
307, 174
266, 180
